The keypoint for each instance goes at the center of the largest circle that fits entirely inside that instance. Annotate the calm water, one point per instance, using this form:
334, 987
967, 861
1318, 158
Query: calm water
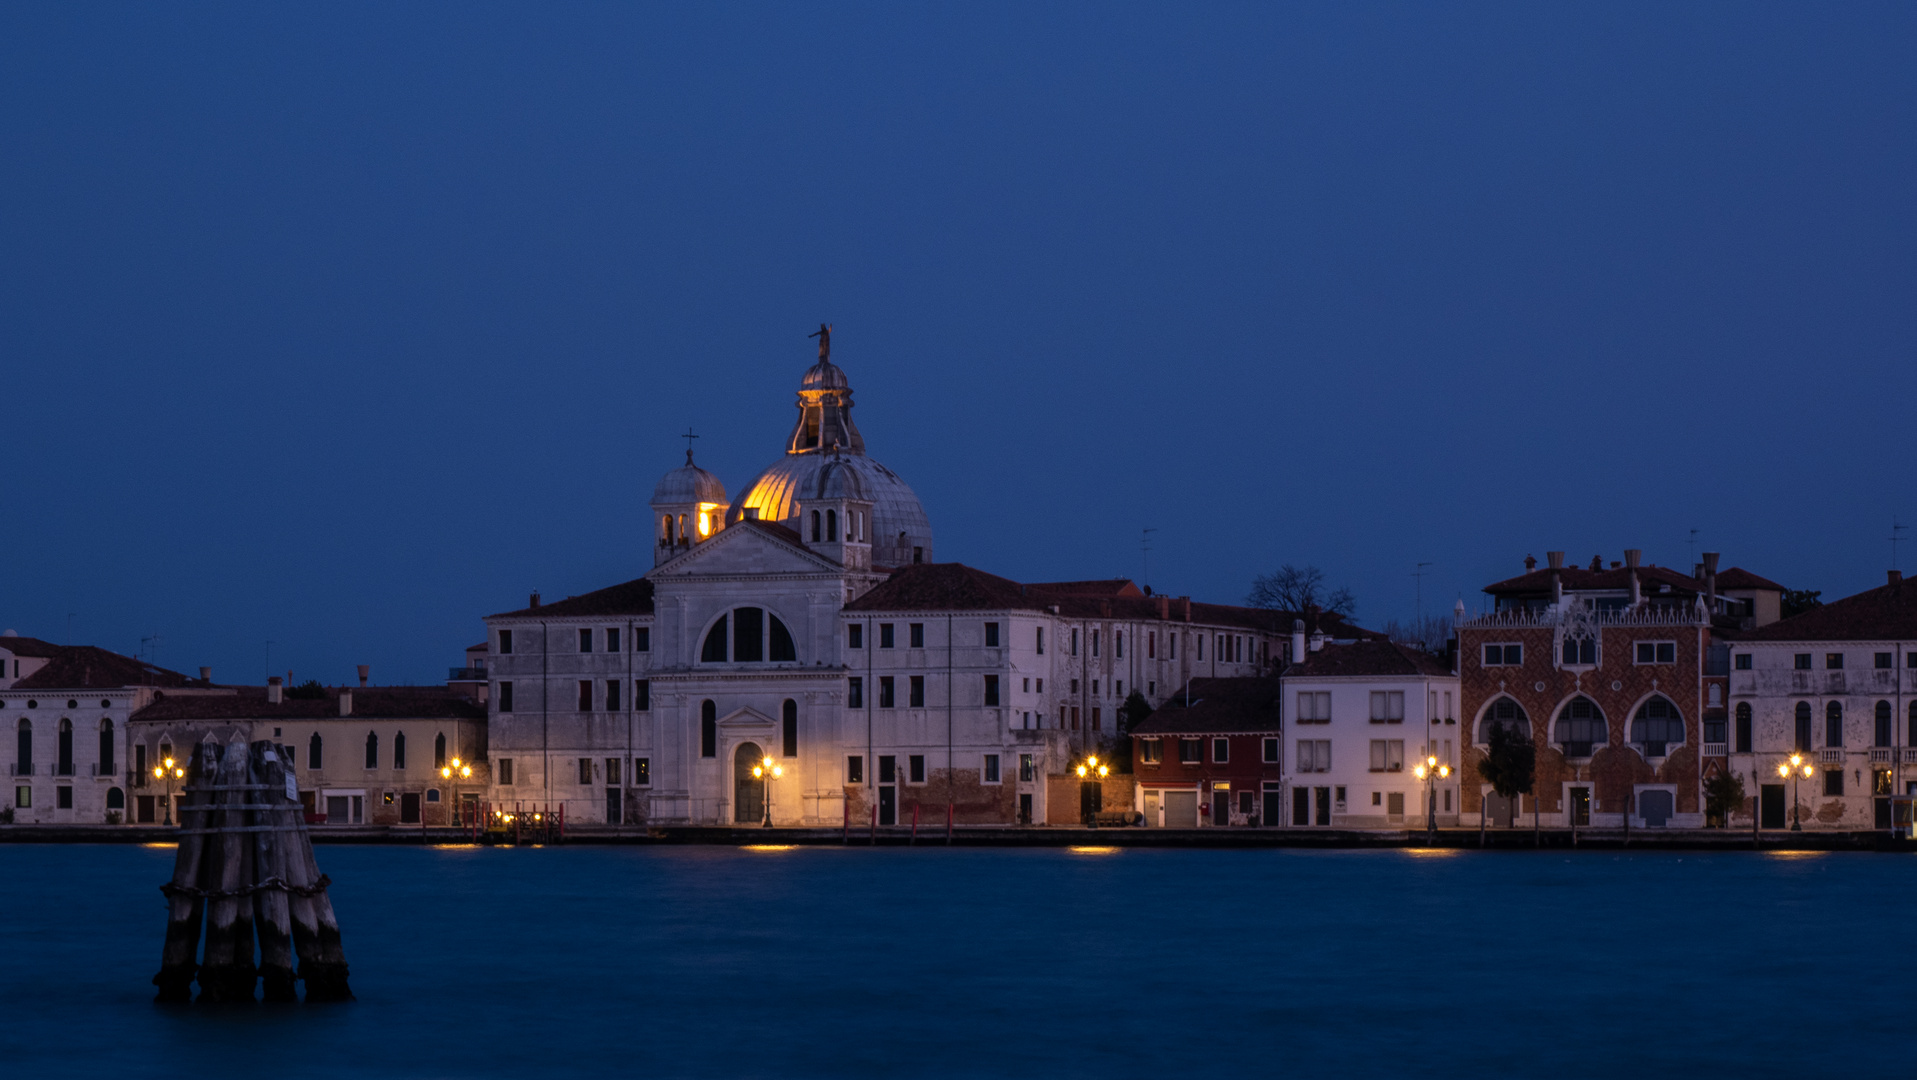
606, 961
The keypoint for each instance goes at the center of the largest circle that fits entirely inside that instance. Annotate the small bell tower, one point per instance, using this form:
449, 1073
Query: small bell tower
688, 508
835, 515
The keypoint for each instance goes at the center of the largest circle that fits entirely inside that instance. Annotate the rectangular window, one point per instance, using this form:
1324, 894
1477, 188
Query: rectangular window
885, 635
885, 692
855, 636
1657, 652
1118, 688
1833, 782
1220, 751
1314, 707
1094, 687
612, 695
585, 695
1503, 655
1883, 660
1742, 661
1151, 645
585, 641
506, 770
1271, 751
642, 772
612, 639
918, 635
1314, 755
642, 696
855, 769
1094, 643
63, 798
991, 768
23, 796
585, 770
1387, 755
1171, 646
855, 692
1743, 734
1801, 661
1200, 654
1118, 645
1387, 706
612, 772
1580, 651
1041, 685
915, 769
505, 697
991, 689
888, 769
1074, 686
642, 639
918, 692
1148, 751
1097, 724
991, 635
1041, 640
1074, 641
1834, 661
505, 643
1191, 751
1715, 728
1074, 718
1027, 767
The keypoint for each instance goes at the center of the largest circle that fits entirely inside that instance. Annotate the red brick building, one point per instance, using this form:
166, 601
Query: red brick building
1618, 676
1215, 760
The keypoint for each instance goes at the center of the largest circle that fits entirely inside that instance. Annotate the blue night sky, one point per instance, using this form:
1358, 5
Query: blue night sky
341, 326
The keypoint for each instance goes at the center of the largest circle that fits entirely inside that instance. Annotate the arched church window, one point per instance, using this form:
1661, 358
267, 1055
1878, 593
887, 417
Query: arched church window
748, 635
831, 526
665, 530
1657, 726
789, 729
1581, 727
815, 526
782, 651
714, 651
1507, 714
708, 729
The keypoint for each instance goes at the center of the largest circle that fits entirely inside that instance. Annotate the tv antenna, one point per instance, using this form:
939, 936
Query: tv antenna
1896, 534
1145, 549
1419, 575
1690, 550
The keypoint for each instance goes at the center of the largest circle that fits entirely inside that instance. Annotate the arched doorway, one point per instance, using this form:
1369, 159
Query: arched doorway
748, 791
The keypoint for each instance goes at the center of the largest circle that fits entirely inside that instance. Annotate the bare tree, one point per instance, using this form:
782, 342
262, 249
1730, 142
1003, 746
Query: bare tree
1431, 632
1293, 589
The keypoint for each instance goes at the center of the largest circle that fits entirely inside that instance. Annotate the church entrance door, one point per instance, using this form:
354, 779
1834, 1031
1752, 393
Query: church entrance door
748, 791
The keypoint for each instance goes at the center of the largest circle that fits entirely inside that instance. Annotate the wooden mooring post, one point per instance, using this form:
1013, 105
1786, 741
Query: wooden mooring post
245, 865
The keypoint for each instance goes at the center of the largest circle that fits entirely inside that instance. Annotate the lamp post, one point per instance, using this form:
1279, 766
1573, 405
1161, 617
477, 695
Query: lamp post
767, 771
453, 772
1795, 770
1087, 769
169, 771
1428, 771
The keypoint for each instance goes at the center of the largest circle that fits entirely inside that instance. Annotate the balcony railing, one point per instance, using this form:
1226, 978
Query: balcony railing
1716, 749
1882, 755
23, 768
1830, 757
105, 768
64, 768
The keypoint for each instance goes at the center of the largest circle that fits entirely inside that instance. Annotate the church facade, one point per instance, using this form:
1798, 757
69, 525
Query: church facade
796, 655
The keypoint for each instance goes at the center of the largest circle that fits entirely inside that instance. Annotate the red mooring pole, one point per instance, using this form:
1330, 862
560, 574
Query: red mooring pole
845, 830
948, 823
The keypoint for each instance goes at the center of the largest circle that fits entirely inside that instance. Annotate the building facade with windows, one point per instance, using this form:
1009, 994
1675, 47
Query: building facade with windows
1212, 757
805, 622
1837, 685
1362, 715
1618, 677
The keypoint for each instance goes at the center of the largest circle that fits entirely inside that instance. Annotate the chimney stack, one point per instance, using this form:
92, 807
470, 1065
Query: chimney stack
1297, 641
1556, 561
1633, 556
206, 674
363, 670
1896, 577
273, 689
1317, 640
1164, 608
345, 702
534, 602
1710, 577
1530, 563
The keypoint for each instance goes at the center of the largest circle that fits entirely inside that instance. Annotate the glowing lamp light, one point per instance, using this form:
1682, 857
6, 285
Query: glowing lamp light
1444, 771
778, 771
1783, 770
757, 772
1081, 770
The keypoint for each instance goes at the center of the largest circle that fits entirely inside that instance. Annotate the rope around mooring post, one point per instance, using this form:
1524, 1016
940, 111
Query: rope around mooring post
274, 883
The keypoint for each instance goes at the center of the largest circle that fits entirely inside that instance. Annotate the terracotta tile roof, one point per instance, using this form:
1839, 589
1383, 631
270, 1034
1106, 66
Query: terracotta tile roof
631, 598
1374, 657
369, 703
1886, 613
1112, 587
1583, 580
1739, 578
30, 646
1218, 707
75, 667
957, 587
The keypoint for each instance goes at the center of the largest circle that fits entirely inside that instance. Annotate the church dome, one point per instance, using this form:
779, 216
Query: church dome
824, 375
689, 484
899, 523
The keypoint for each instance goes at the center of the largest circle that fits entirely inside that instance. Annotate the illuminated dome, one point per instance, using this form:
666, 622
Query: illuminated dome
825, 459
689, 484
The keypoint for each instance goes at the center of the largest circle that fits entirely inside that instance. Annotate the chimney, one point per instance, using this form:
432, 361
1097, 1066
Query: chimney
1556, 559
1896, 577
1317, 640
1530, 563
1164, 608
1297, 641
1710, 577
363, 670
273, 689
1597, 562
534, 602
1633, 556
206, 674
1184, 607
345, 702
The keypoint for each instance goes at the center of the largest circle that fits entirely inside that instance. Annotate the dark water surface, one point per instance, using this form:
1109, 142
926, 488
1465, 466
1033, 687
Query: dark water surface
927, 962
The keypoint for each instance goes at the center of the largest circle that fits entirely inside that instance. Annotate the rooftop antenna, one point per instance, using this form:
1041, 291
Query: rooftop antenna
1145, 548
1896, 534
1690, 556
1419, 574
688, 437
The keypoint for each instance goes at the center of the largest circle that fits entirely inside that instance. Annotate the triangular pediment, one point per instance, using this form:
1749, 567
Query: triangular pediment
745, 549
748, 719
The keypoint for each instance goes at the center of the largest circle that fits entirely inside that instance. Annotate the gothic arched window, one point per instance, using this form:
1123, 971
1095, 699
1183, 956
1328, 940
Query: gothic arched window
1581, 727
399, 750
313, 755
1657, 726
1507, 714
372, 749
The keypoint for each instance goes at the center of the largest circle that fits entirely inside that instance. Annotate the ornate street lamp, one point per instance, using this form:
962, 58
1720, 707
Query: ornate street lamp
1091, 771
767, 771
1796, 769
453, 772
1429, 771
169, 771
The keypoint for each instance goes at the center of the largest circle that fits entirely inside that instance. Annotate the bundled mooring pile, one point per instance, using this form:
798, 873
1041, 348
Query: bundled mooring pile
245, 868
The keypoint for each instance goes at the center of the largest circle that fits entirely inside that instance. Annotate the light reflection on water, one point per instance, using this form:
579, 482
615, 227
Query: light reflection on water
946, 962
